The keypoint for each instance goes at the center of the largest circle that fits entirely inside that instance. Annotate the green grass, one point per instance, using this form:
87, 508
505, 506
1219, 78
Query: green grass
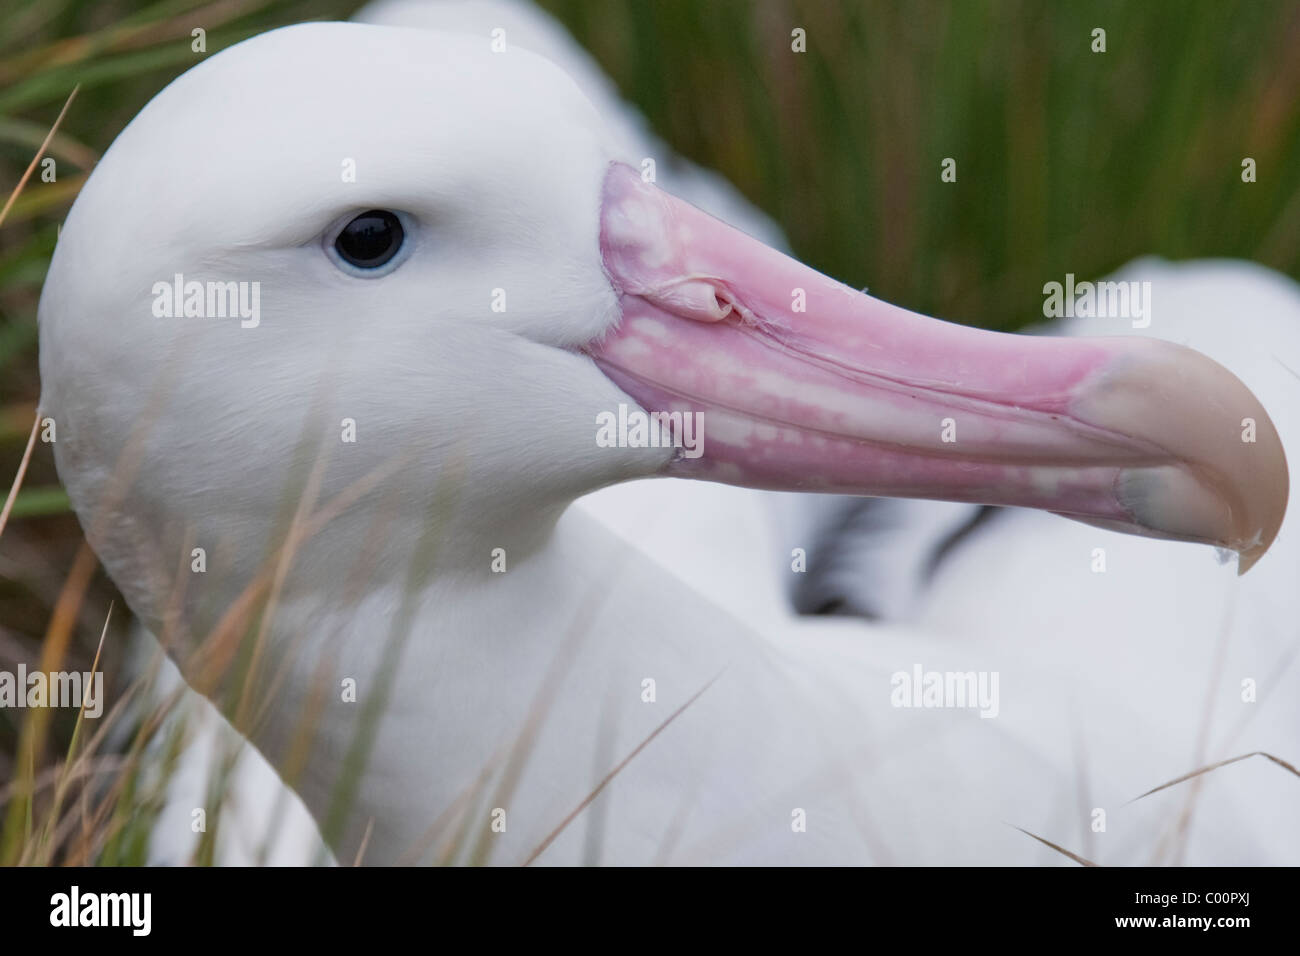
1067, 160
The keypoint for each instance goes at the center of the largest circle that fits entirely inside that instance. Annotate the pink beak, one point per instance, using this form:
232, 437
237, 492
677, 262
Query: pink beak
802, 383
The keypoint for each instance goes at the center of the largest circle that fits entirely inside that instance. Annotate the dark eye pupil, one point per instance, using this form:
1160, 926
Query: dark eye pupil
371, 239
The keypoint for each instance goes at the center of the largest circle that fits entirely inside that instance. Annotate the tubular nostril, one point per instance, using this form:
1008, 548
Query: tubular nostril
692, 297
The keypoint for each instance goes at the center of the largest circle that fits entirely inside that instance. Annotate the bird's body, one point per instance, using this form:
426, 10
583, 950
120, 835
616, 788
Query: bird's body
524, 683
1091, 713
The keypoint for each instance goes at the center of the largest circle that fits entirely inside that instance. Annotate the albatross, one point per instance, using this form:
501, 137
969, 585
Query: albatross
459, 278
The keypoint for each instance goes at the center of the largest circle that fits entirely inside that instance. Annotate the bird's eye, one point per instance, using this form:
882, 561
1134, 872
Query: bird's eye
371, 239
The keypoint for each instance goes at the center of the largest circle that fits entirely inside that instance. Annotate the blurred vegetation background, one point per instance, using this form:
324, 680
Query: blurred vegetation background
1067, 160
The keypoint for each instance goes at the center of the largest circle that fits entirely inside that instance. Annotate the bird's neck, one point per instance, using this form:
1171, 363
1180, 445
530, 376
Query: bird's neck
413, 708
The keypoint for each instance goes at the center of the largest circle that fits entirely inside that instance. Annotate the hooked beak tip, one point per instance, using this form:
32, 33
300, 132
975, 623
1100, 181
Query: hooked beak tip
1223, 476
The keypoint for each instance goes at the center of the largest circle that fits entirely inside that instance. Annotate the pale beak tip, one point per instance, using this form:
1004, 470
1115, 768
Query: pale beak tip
1226, 480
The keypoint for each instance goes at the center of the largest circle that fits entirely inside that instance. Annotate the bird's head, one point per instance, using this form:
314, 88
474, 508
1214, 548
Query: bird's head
336, 253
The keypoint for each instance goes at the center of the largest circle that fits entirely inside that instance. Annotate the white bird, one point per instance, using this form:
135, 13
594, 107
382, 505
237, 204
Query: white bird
586, 703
